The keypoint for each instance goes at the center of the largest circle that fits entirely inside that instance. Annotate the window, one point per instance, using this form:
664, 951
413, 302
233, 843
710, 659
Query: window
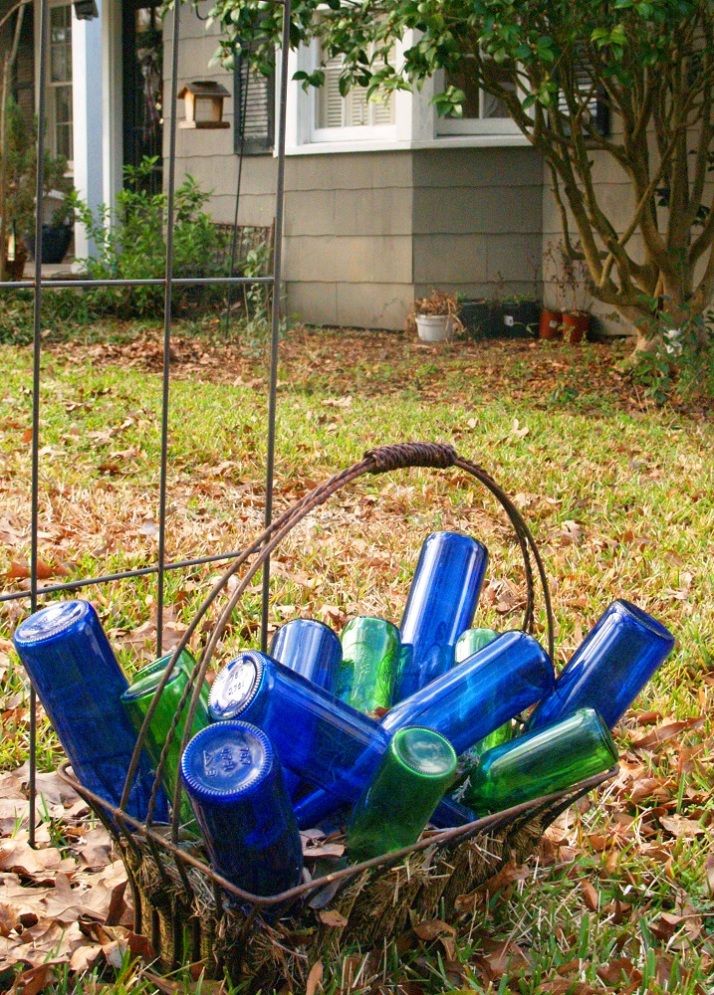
482, 113
597, 113
59, 82
352, 116
254, 103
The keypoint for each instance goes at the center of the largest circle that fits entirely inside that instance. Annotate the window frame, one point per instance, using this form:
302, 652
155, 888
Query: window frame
53, 85
472, 126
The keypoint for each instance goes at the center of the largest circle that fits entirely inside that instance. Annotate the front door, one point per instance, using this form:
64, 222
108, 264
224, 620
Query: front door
142, 98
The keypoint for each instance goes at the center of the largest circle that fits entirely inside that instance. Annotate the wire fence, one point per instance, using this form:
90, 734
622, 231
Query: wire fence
34, 593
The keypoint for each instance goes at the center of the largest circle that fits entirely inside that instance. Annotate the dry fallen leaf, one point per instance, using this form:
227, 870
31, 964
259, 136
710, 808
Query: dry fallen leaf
664, 732
20, 570
681, 827
590, 895
314, 978
432, 928
331, 917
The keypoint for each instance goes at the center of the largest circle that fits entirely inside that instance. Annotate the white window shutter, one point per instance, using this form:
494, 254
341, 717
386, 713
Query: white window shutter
352, 111
331, 102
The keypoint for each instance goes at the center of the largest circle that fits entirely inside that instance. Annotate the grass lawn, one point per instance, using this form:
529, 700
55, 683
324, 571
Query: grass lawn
619, 494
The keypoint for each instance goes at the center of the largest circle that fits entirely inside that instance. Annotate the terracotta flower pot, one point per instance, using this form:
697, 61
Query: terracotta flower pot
550, 324
576, 325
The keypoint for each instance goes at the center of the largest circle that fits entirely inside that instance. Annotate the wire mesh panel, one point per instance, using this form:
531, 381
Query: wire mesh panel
230, 278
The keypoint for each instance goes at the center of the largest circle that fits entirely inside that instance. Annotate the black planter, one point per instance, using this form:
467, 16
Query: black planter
481, 319
55, 242
520, 319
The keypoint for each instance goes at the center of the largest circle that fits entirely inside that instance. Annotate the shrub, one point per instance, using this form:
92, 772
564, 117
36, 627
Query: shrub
130, 243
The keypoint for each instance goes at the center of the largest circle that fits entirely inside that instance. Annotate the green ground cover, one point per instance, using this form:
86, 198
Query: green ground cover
620, 496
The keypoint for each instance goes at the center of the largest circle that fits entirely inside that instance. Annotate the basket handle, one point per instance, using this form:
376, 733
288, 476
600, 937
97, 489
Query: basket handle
383, 459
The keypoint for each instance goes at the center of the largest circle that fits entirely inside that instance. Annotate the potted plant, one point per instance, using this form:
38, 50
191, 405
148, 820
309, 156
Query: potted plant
436, 317
481, 318
18, 169
551, 319
520, 316
576, 317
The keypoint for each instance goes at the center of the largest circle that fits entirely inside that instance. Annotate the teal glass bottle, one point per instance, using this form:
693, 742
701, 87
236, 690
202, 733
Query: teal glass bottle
370, 656
136, 701
471, 641
541, 762
415, 771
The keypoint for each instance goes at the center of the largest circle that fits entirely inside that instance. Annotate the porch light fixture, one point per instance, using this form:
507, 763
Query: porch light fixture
203, 103
85, 10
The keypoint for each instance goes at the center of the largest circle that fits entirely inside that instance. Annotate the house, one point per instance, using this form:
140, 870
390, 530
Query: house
384, 200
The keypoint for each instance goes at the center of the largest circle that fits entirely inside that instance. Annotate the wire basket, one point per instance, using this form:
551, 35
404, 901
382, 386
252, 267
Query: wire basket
193, 914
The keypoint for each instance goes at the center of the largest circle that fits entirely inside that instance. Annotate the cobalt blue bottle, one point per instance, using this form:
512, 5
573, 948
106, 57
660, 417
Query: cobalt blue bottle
79, 682
609, 668
233, 777
441, 604
316, 735
309, 648
465, 704
471, 700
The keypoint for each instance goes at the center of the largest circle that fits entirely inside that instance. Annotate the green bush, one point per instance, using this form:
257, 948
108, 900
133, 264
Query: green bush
130, 243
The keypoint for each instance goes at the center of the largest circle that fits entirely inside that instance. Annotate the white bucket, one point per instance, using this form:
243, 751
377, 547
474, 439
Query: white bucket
434, 327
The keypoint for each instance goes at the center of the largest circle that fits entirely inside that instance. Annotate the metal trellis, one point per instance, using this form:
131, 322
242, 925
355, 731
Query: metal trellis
39, 285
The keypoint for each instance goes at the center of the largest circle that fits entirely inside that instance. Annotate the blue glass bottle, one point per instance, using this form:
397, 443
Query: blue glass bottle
233, 777
471, 700
467, 644
465, 704
441, 604
79, 682
316, 735
609, 668
309, 648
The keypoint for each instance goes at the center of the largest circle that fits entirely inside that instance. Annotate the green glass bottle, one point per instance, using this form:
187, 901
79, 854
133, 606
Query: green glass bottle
468, 643
370, 654
540, 762
136, 700
413, 775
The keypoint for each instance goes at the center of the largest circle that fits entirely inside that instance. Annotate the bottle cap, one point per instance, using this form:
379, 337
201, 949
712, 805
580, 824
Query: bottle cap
236, 686
424, 752
226, 761
50, 622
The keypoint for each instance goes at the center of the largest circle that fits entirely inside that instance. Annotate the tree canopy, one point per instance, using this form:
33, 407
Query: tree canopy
650, 63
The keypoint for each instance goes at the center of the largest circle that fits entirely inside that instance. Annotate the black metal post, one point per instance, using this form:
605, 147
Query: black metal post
36, 369
275, 326
168, 292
